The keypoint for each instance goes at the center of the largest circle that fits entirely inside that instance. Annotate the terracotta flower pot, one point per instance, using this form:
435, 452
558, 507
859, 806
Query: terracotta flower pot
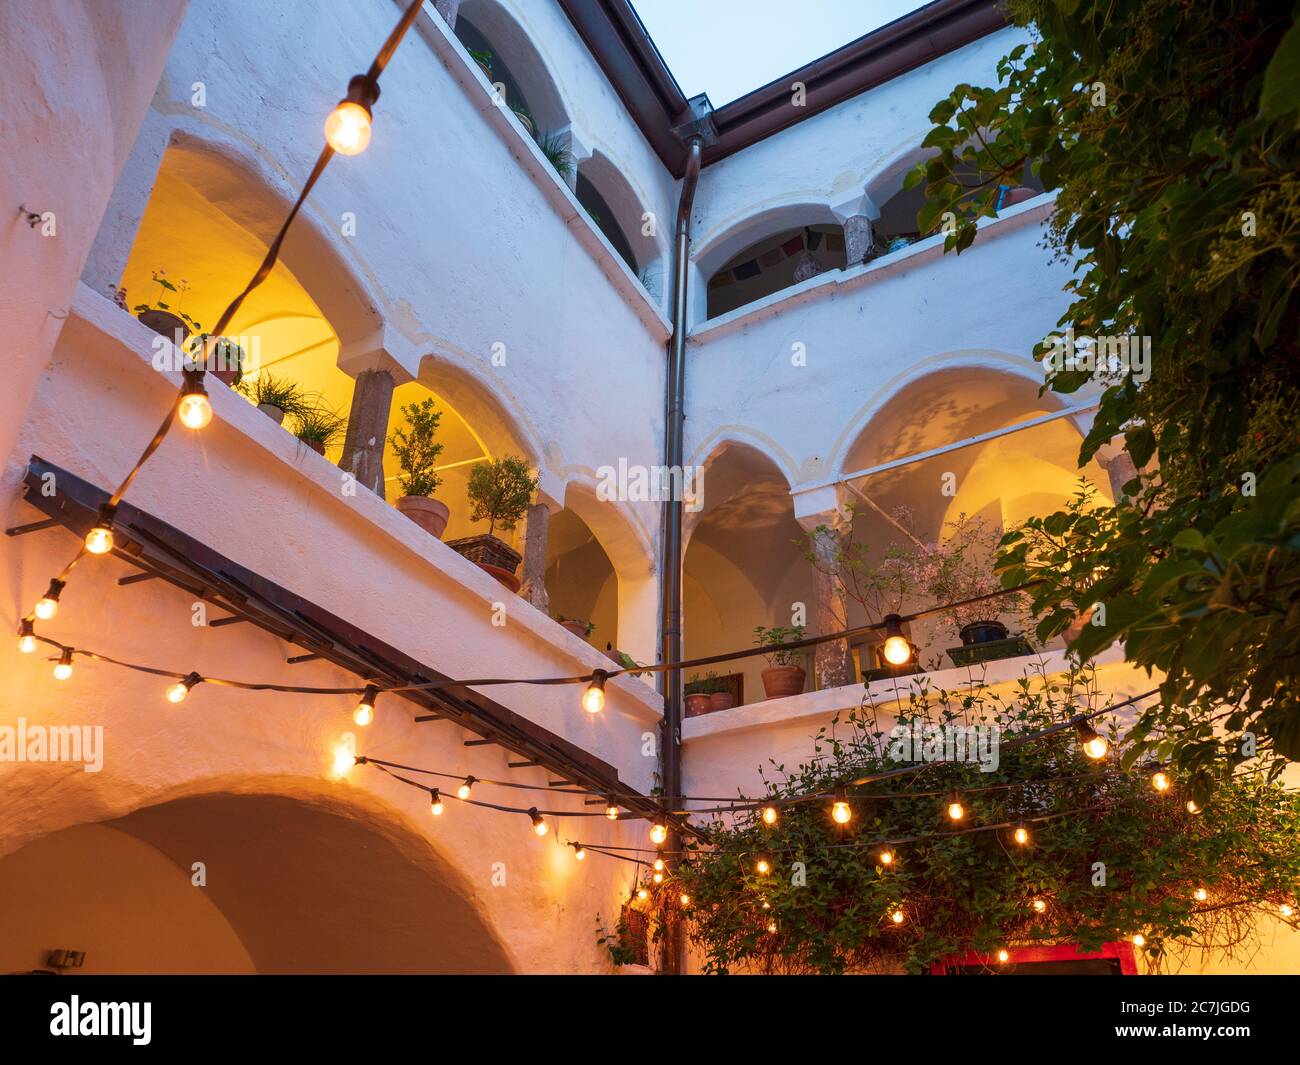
1019, 194
429, 514
780, 681
273, 412
723, 701
578, 628
505, 576
165, 324
315, 445
487, 551
697, 704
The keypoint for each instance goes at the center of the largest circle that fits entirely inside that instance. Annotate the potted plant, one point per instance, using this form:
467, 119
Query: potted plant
720, 697
555, 148
698, 692
417, 455
483, 58
579, 628
499, 492
161, 316
319, 427
784, 676
226, 360
525, 119
273, 396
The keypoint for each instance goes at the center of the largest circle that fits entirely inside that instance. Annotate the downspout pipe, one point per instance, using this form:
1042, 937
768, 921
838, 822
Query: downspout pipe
670, 626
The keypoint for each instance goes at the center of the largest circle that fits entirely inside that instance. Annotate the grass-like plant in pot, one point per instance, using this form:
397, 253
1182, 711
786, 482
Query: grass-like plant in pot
319, 427
417, 454
784, 675
499, 493
274, 396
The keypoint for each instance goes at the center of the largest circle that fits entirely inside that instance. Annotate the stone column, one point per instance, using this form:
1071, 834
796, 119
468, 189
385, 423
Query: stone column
536, 528
367, 433
858, 239
448, 9
1118, 464
833, 662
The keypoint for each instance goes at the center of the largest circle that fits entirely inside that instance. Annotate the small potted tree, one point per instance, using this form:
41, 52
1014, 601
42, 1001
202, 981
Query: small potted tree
417, 454
499, 492
784, 676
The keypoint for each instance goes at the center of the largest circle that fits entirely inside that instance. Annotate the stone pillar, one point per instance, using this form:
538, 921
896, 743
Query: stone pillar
833, 662
1118, 464
858, 239
367, 433
448, 9
536, 529
117, 231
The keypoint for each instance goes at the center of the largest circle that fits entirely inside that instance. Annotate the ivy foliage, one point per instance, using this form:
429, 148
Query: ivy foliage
1168, 131
1108, 856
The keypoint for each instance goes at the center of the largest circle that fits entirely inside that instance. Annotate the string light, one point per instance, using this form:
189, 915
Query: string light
48, 605
99, 541
1040, 906
1139, 940
1192, 808
1092, 742
898, 917
611, 809
659, 865
1003, 957
467, 788
1286, 910
347, 129
579, 851
194, 409
345, 754
658, 878
770, 815
897, 650
658, 833
956, 811
365, 711
539, 822
686, 900
1160, 781
886, 857
1021, 835
593, 699
841, 812
63, 668
435, 802
762, 867
771, 927
178, 691
26, 636
1200, 894
642, 894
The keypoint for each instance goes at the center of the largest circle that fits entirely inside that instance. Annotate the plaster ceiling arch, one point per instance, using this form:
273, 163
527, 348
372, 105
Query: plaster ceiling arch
311, 882
537, 80
732, 460
626, 544
628, 207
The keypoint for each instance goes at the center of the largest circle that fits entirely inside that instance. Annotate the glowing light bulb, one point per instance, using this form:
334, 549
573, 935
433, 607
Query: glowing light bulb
686, 899
539, 823
896, 650
769, 815
1139, 940
580, 852
1022, 835
365, 711
593, 699
886, 857
1039, 906
26, 636
195, 411
63, 668
1286, 910
347, 129
48, 605
1160, 781
658, 833
642, 894
1003, 957
99, 541
435, 803
1192, 808
841, 812
659, 865
771, 927
1200, 894
466, 789
178, 691
956, 811
898, 917
345, 754
1093, 744
611, 811
762, 867
658, 878
766, 905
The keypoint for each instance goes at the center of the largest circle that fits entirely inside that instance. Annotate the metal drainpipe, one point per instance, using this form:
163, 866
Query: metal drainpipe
671, 597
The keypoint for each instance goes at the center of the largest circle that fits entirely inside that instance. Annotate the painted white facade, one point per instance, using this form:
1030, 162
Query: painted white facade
465, 238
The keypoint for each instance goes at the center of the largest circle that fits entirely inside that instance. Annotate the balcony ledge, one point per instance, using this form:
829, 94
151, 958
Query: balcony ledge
829, 283
133, 344
816, 707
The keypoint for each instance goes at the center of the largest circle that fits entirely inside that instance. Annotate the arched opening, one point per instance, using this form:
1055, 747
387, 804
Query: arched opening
289, 884
501, 46
995, 485
744, 565
580, 579
617, 211
775, 262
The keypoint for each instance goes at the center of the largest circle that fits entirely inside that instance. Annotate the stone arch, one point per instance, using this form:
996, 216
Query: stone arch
643, 254
517, 60
303, 879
